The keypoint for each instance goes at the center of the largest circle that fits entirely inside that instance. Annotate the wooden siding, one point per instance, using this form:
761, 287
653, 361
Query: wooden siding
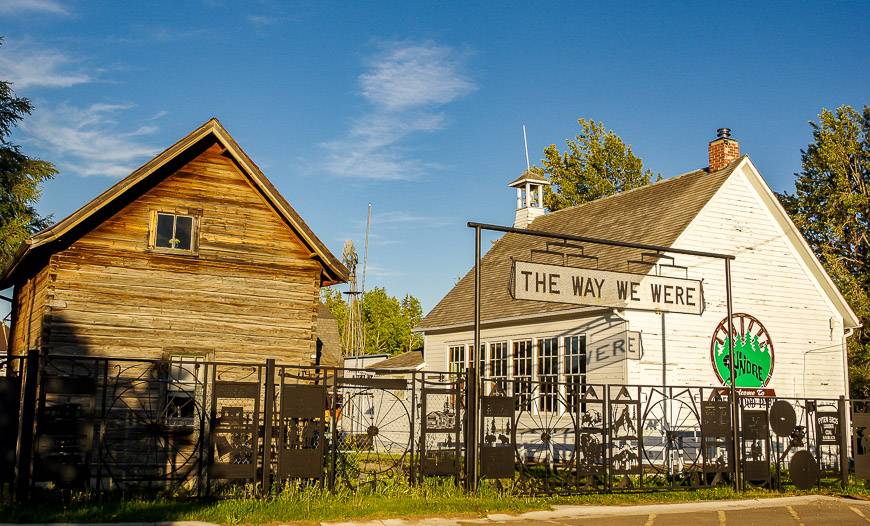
769, 281
251, 292
29, 311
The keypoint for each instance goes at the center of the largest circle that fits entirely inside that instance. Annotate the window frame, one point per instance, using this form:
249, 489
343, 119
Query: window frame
195, 216
453, 365
547, 373
571, 378
522, 385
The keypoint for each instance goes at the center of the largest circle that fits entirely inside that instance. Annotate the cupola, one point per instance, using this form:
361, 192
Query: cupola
530, 197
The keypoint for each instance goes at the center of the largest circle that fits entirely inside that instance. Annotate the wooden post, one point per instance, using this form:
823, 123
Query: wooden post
268, 411
470, 429
26, 425
333, 429
845, 438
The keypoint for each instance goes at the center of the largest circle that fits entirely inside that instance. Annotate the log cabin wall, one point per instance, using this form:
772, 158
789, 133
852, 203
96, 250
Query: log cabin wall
249, 291
29, 311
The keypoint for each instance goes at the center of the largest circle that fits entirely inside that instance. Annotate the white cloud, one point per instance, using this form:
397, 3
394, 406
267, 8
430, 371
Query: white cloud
35, 6
27, 68
90, 141
406, 84
412, 75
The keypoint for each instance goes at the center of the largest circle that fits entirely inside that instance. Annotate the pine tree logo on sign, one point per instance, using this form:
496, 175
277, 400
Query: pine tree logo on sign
753, 352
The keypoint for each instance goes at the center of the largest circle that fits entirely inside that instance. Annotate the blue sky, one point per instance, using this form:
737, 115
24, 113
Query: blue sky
418, 107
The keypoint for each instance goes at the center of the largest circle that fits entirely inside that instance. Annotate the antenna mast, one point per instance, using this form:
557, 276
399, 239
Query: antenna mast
526, 143
366, 249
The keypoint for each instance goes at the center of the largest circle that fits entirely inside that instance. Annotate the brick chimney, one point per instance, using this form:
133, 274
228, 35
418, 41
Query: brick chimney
723, 149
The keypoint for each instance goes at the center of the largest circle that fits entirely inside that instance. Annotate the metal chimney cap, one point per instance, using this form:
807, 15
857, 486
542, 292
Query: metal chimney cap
723, 133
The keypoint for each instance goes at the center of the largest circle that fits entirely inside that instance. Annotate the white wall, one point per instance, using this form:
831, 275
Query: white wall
769, 281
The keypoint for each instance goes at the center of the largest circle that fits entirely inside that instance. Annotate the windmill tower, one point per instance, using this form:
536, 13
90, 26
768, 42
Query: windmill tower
352, 339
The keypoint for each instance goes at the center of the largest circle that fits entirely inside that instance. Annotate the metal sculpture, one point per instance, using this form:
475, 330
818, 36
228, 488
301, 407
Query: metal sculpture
152, 426
374, 433
543, 436
671, 433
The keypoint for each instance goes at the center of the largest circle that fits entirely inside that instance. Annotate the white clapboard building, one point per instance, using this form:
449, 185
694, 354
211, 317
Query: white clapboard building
625, 316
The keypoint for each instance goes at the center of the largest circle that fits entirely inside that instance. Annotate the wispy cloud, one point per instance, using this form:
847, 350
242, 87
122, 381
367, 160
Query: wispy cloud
261, 20
411, 75
407, 84
32, 6
26, 68
90, 141
397, 218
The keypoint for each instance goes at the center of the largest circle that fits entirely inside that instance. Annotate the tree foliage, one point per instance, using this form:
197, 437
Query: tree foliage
831, 207
388, 321
20, 178
595, 164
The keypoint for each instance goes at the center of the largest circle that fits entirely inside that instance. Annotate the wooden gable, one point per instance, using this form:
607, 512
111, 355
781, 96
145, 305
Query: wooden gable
95, 283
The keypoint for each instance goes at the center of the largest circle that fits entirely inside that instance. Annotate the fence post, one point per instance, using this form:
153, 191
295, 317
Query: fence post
411, 467
333, 442
268, 410
845, 437
26, 425
470, 429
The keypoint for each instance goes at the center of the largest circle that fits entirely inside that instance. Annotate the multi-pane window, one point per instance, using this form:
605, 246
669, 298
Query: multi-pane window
480, 356
575, 369
174, 231
523, 373
548, 374
456, 357
498, 366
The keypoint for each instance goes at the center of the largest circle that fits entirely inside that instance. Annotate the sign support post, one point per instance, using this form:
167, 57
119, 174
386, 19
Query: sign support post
474, 422
735, 457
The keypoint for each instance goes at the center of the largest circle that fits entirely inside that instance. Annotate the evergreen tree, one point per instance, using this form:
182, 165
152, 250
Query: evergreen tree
831, 207
595, 164
20, 178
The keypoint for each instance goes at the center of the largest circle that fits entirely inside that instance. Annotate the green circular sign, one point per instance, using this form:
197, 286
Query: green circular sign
753, 352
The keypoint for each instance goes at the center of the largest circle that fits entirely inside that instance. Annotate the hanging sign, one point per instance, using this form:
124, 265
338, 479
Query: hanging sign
621, 290
753, 355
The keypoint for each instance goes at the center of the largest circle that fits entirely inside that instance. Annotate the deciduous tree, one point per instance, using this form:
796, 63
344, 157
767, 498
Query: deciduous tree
596, 163
387, 321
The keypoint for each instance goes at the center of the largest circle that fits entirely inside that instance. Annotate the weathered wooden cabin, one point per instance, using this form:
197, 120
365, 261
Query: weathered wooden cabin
194, 254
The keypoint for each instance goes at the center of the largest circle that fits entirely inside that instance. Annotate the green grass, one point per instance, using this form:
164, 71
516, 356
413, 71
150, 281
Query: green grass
309, 505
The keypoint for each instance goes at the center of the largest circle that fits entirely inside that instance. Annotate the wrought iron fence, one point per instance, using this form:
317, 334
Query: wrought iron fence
202, 427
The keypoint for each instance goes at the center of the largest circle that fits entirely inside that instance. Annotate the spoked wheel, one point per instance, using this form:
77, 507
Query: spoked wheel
544, 440
152, 430
375, 436
671, 436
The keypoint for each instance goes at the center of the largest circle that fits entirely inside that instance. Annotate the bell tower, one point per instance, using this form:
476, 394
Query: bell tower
530, 197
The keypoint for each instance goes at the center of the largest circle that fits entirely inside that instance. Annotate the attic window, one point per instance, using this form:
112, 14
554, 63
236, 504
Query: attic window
174, 232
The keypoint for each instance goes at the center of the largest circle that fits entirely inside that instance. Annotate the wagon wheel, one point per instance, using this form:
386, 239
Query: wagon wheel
375, 436
151, 430
543, 435
671, 436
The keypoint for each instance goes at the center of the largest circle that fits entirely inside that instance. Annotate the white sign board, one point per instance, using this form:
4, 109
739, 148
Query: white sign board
621, 290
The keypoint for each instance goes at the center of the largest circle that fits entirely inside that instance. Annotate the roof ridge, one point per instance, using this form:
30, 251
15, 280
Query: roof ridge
729, 166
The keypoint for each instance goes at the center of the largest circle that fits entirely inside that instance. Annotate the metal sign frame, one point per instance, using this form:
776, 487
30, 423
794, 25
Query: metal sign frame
565, 238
